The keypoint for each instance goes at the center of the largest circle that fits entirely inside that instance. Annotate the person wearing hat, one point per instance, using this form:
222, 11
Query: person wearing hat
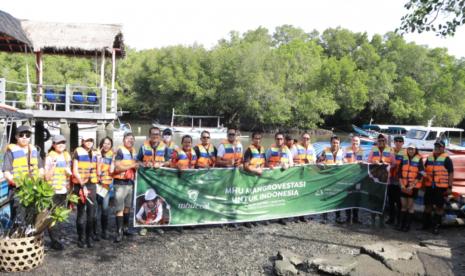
438, 181
410, 174
393, 193
126, 166
153, 153
85, 178
169, 143
381, 154
151, 211
21, 160
57, 173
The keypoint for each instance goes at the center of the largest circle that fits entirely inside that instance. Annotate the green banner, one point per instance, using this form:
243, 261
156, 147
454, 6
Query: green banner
215, 196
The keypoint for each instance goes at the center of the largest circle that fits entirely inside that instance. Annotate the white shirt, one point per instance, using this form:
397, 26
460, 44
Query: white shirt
159, 213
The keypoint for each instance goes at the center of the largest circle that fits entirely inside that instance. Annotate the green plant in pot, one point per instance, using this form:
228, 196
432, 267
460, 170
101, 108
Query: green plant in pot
38, 210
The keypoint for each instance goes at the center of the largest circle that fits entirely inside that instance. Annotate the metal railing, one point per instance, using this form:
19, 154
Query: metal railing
58, 97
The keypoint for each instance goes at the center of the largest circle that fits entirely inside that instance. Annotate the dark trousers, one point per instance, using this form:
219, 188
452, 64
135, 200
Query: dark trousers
86, 211
58, 200
393, 193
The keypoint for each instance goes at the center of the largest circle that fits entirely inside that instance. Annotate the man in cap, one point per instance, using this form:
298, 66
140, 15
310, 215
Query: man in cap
125, 174
167, 140
439, 176
393, 192
85, 178
21, 160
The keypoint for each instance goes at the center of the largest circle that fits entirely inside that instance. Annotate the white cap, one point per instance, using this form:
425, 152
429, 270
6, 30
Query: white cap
87, 135
150, 194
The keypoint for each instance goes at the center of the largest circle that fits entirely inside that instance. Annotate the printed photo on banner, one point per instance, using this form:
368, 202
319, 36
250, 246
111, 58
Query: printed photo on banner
152, 209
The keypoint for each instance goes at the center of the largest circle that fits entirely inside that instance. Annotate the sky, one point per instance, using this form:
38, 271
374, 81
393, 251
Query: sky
155, 24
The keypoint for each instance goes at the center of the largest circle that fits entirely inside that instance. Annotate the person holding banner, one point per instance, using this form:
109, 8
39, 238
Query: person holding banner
303, 152
107, 167
279, 155
410, 175
206, 152
332, 156
353, 154
184, 158
20, 159
169, 143
124, 176
394, 193
439, 176
153, 153
57, 173
254, 156
381, 154
230, 151
85, 171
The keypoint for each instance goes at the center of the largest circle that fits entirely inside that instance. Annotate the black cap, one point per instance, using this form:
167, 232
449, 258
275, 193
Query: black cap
167, 131
23, 128
440, 143
288, 137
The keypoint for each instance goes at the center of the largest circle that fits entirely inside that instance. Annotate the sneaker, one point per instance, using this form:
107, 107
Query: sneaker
159, 231
143, 231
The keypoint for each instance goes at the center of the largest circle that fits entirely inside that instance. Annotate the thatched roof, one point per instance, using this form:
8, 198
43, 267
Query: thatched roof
77, 39
74, 38
12, 36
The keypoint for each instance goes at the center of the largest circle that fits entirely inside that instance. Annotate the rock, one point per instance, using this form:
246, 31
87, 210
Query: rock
334, 264
436, 265
290, 256
367, 266
284, 267
384, 252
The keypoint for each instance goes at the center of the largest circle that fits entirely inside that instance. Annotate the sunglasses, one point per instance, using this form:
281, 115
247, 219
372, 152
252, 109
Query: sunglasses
205, 137
231, 134
398, 141
24, 135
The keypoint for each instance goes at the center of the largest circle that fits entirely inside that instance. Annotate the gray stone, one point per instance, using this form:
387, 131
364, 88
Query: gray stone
367, 266
384, 252
284, 268
334, 264
290, 256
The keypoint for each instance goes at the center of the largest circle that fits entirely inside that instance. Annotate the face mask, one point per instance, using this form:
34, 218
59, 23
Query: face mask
166, 137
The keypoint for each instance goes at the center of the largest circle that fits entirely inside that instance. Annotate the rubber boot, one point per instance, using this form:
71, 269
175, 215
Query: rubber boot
104, 223
95, 235
55, 244
349, 216
436, 223
89, 234
391, 220
355, 218
408, 222
126, 230
80, 232
338, 217
373, 220
401, 221
119, 229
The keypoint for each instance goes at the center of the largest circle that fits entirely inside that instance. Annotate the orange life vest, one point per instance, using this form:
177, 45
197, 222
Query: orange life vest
410, 170
384, 156
182, 160
436, 173
153, 156
278, 156
257, 158
304, 153
87, 166
105, 166
207, 156
399, 156
129, 158
352, 157
232, 152
329, 157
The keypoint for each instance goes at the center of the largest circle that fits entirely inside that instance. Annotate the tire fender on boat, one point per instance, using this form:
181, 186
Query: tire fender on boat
46, 135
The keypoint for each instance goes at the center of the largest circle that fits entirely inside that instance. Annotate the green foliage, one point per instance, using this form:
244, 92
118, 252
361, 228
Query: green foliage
442, 17
289, 79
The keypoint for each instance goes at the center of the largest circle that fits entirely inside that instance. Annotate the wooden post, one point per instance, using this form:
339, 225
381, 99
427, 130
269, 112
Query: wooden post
102, 69
113, 68
103, 93
74, 141
39, 137
39, 76
65, 131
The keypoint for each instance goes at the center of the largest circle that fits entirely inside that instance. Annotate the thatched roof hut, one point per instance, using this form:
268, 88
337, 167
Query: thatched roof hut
12, 36
74, 38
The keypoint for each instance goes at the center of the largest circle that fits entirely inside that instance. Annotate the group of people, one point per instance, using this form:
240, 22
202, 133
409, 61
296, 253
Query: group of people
90, 172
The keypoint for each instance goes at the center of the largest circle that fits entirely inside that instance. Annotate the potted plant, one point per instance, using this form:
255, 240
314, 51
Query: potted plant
22, 246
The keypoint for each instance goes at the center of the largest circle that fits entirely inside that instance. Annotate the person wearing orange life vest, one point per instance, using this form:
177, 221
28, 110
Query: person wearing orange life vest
151, 211
381, 154
184, 158
438, 182
303, 152
410, 174
205, 151
107, 167
353, 154
393, 193
254, 156
57, 173
85, 171
332, 156
20, 160
126, 166
153, 153
278, 154
230, 151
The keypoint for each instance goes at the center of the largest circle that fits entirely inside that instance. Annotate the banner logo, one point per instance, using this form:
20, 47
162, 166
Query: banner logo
193, 194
